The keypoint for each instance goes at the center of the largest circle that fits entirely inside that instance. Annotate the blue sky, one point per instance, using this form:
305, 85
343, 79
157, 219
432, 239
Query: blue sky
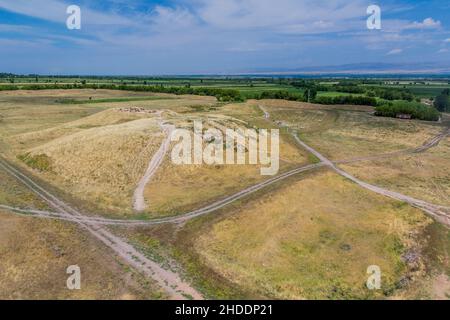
146, 37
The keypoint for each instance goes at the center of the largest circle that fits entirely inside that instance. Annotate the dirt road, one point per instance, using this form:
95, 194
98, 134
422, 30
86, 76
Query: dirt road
139, 204
176, 219
433, 142
437, 211
440, 213
170, 281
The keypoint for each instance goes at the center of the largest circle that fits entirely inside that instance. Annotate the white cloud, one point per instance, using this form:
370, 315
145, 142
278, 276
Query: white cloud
15, 28
290, 16
251, 32
54, 10
394, 52
165, 18
287, 16
443, 50
428, 23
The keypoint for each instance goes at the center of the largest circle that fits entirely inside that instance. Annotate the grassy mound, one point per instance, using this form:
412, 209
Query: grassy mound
100, 165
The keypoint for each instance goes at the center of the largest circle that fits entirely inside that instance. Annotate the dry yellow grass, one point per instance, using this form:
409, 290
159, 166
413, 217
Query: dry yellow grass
104, 118
15, 194
423, 176
246, 110
29, 118
345, 132
178, 188
81, 94
102, 165
35, 254
91, 151
19, 118
176, 103
313, 239
293, 105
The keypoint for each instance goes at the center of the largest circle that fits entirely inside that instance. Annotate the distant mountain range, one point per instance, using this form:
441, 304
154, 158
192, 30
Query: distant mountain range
366, 68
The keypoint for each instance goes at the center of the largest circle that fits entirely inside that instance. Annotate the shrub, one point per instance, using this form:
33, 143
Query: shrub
349, 89
39, 162
442, 102
393, 94
351, 100
220, 94
415, 109
280, 94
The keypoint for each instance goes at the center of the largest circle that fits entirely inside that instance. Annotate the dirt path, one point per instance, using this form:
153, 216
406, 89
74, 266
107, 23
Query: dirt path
61, 216
176, 219
440, 213
139, 204
170, 281
266, 114
433, 142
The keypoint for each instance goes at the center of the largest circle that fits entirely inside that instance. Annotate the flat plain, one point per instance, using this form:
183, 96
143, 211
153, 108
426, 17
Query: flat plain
311, 234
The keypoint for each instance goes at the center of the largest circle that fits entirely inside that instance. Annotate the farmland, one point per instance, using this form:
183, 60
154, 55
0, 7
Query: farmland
251, 87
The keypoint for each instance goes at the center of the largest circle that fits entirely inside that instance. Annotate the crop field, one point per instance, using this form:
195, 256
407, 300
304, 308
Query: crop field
88, 157
422, 90
250, 88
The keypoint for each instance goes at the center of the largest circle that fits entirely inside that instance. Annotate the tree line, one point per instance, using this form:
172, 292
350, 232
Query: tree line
442, 101
226, 95
415, 109
389, 109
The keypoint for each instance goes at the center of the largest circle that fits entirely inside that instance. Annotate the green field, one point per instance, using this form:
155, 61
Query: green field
251, 87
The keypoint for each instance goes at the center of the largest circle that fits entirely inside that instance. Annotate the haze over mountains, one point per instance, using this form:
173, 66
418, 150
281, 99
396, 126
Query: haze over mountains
366, 68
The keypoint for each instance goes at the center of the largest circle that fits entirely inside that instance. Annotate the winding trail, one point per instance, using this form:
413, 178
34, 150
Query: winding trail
176, 219
433, 142
170, 281
61, 216
440, 213
437, 211
139, 204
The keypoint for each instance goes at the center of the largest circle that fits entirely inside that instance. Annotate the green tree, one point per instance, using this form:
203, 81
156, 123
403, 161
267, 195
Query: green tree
442, 101
416, 110
310, 94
